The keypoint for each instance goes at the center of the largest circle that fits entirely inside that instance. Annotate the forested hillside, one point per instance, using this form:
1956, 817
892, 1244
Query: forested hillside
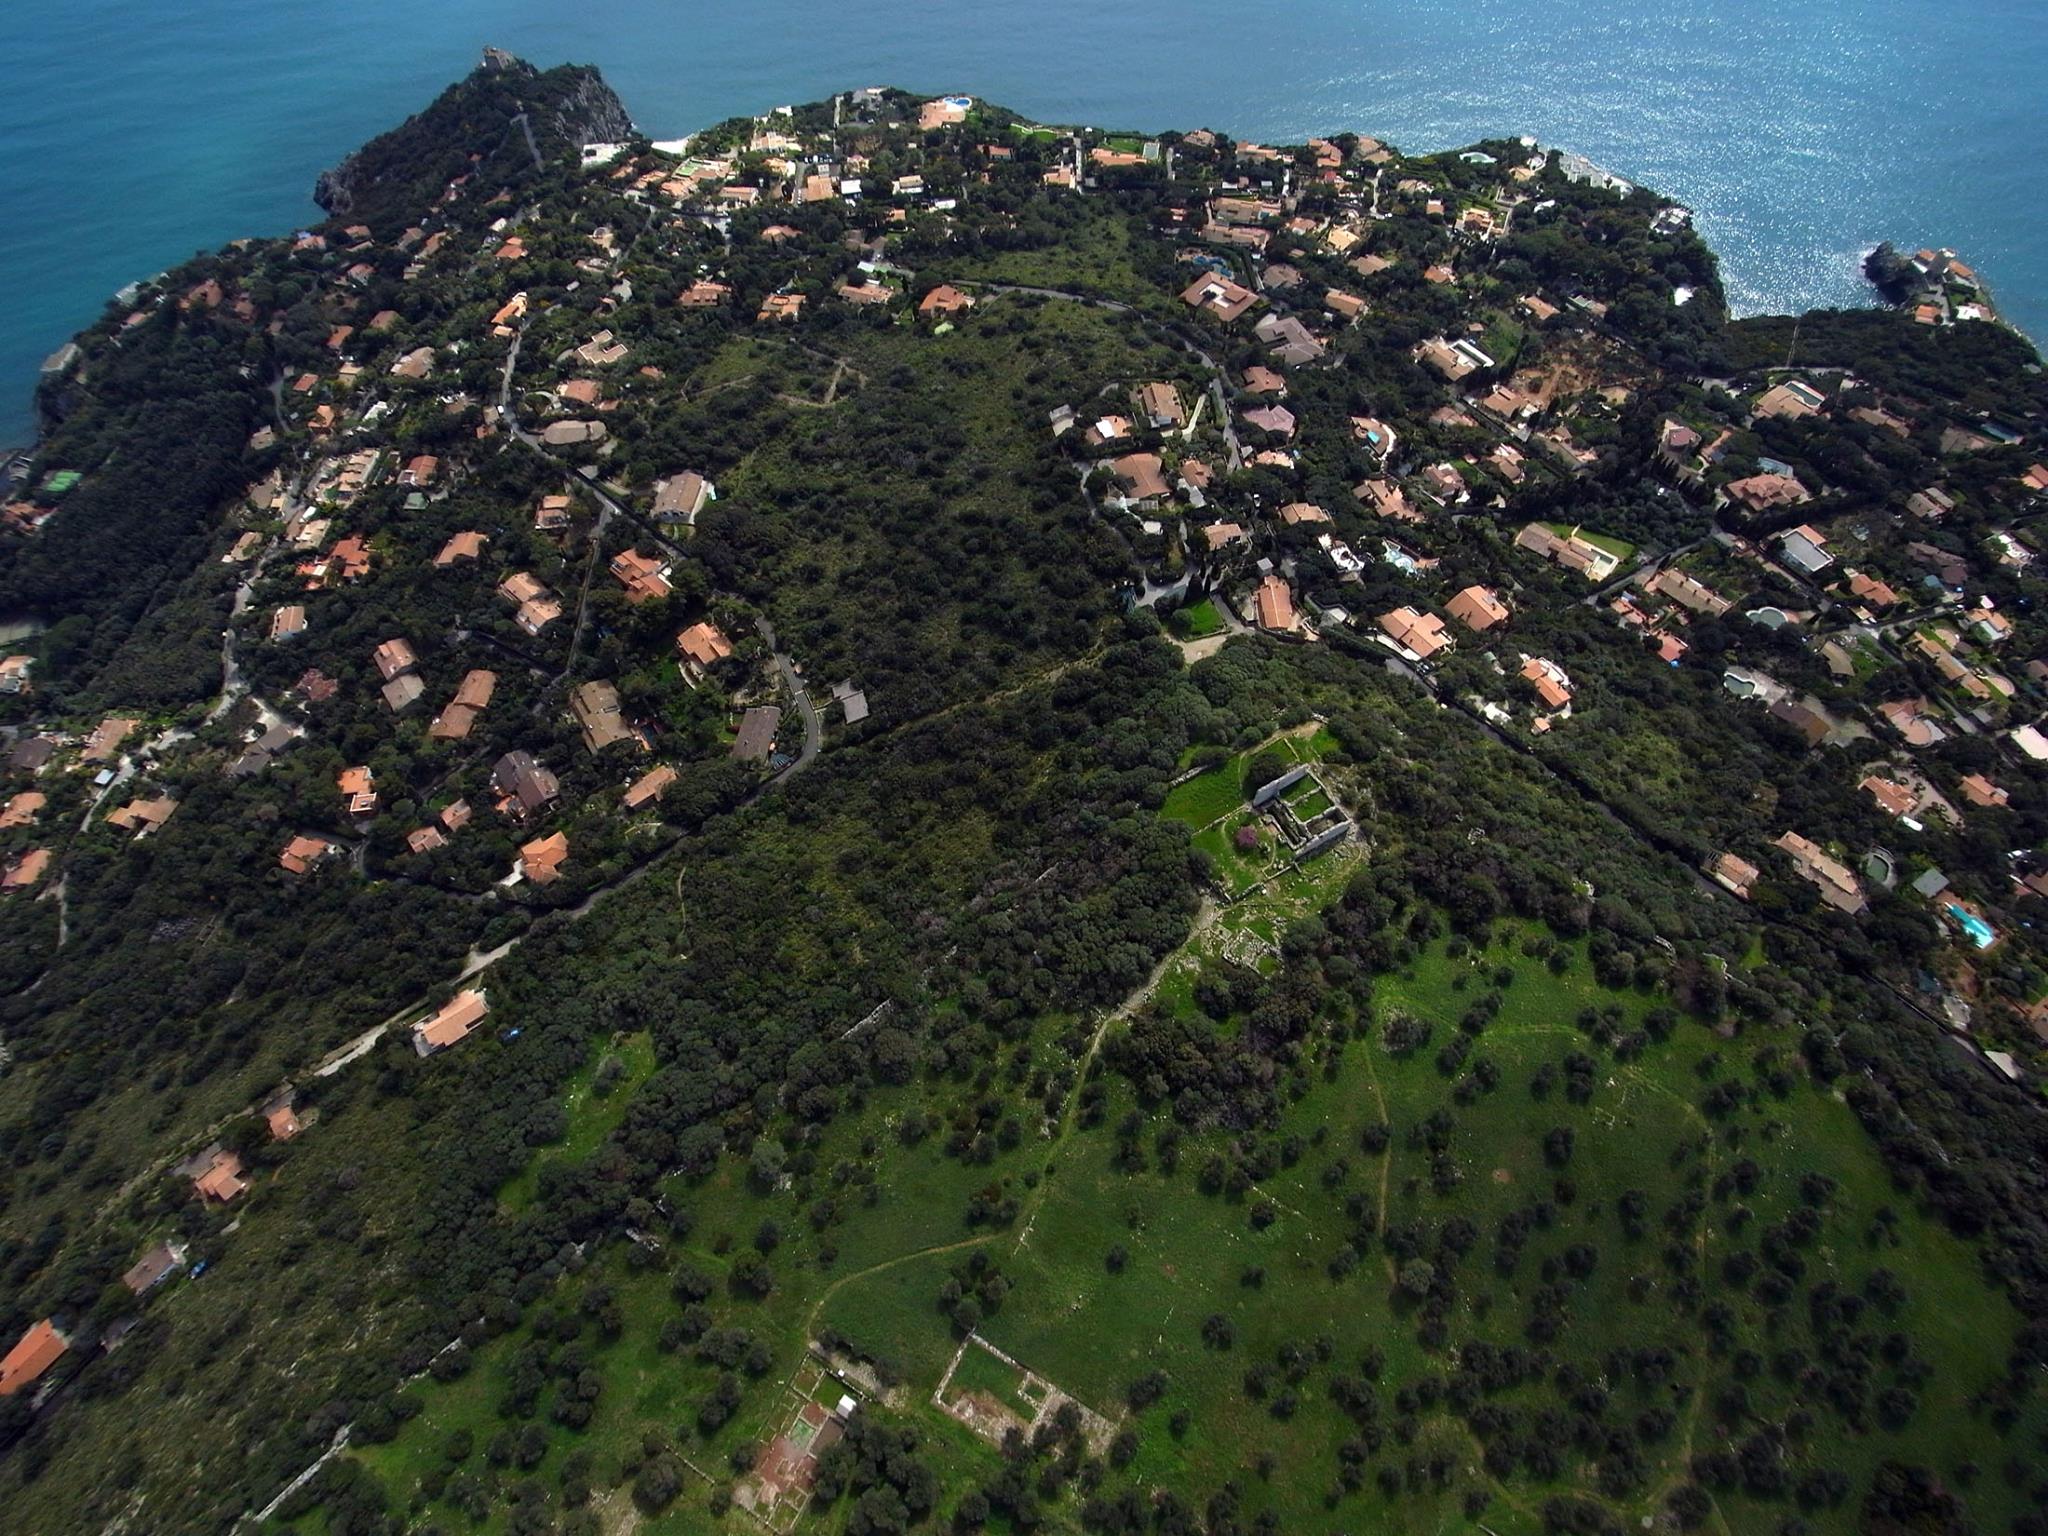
906, 821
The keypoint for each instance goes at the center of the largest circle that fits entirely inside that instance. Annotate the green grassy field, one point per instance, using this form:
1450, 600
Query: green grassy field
1200, 620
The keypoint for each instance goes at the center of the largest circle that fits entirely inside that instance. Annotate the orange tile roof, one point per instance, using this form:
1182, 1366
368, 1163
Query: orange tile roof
222, 1180
544, 857
1275, 604
650, 787
34, 1353
26, 870
467, 545
452, 1022
704, 643
302, 853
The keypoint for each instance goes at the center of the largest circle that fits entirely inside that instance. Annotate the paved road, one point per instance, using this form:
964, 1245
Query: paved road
814, 726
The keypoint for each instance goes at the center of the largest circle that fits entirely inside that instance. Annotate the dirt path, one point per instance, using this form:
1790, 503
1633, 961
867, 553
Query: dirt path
1205, 915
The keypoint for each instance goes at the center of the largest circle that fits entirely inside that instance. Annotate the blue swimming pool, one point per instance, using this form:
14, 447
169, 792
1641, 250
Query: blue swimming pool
1981, 933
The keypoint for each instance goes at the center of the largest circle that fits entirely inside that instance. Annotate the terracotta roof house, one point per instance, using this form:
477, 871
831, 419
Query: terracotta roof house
351, 556
282, 1118
154, 1267
1981, 792
1220, 536
537, 607
1418, 636
33, 1354
542, 859
1445, 482
420, 471
1273, 605
1219, 296
1346, 306
1261, 380
1870, 590
1761, 493
1455, 360
703, 294
1572, 551
425, 839
1791, 400
450, 1024
1141, 476
25, 871
1385, 498
393, 657
1478, 609
302, 853
552, 515
287, 622
105, 741
648, 788
596, 708
756, 736
476, 688
1837, 887
1276, 419
702, 644
523, 782
1893, 799
23, 809
222, 1178
944, 300
140, 816
781, 306
455, 816
1673, 584
1549, 681
1159, 404
467, 545
1734, 874
643, 576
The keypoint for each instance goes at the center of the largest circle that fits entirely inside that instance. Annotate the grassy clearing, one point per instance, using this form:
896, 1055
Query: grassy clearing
1198, 621
593, 1113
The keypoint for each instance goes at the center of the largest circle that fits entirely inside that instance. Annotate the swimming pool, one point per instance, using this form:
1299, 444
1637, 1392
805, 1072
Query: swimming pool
1981, 933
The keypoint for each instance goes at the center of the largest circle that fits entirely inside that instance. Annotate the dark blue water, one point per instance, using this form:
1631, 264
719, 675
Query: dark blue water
1803, 131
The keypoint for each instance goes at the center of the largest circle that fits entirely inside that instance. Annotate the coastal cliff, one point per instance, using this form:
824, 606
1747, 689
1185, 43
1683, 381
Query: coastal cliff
504, 121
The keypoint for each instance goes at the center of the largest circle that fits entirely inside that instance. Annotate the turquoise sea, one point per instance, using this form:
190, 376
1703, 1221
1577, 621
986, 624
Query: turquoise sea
1802, 131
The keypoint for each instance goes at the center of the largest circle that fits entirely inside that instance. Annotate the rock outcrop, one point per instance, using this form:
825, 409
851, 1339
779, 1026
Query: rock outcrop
497, 126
